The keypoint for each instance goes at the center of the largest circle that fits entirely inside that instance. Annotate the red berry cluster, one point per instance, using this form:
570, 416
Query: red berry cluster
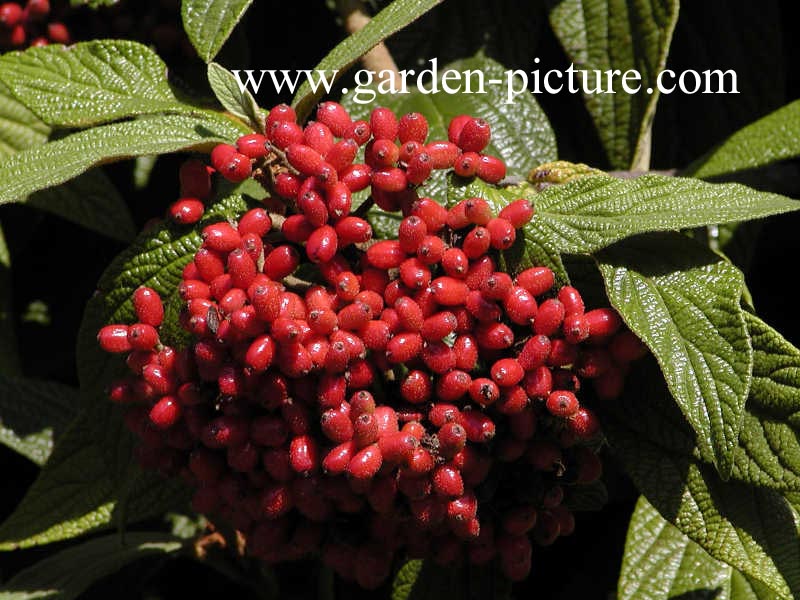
417, 401
30, 25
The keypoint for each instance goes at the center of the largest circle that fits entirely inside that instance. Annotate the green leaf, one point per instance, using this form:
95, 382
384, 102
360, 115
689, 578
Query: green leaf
769, 446
406, 577
521, 132
624, 35
33, 413
58, 161
90, 200
683, 301
67, 574
9, 354
239, 102
592, 212
80, 487
391, 19
770, 139
19, 127
209, 23
90, 82
661, 563
751, 529
534, 247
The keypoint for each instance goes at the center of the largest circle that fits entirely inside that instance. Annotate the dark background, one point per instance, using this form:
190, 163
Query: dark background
59, 263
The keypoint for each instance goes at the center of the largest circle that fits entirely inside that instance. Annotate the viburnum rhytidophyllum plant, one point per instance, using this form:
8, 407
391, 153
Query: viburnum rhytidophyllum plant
416, 401
399, 339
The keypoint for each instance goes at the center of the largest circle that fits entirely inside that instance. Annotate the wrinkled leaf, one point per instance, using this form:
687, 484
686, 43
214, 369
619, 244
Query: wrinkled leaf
625, 35
19, 127
751, 529
592, 212
770, 139
682, 300
209, 23
239, 103
661, 563
53, 163
90, 82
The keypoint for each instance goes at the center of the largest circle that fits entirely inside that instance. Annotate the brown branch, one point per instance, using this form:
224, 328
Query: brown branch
379, 60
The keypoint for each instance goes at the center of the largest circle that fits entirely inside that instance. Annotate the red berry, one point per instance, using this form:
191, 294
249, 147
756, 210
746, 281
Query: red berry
319, 137
359, 131
221, 237
383, 123
280, 113
114, 338
490, 169
255, 221
390, 180
413, 127
186, 211
603, 322
562, 404
195, 179
305, 159
148, 306
455, 127
474, 135
507, 372
431, 212
575, 328
449, 291
572, 301
142, 337
549, 317
518, 213
419, 168
366, 463
253, 145
447, 482
165, 413
385, 254
10, 15
403, 347
283, 134
502, 233
303, 454
416, 387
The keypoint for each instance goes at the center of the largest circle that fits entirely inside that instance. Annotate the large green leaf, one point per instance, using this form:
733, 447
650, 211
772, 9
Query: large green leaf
592, 212
770, 139
33, 413
58, 161
683, 301
751, 529
661, 563
67, 574
81, 485
238, 102
624, 35
90, 82
521, 133
769, 442
209, 23
392, 18
90, 200
19, 127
